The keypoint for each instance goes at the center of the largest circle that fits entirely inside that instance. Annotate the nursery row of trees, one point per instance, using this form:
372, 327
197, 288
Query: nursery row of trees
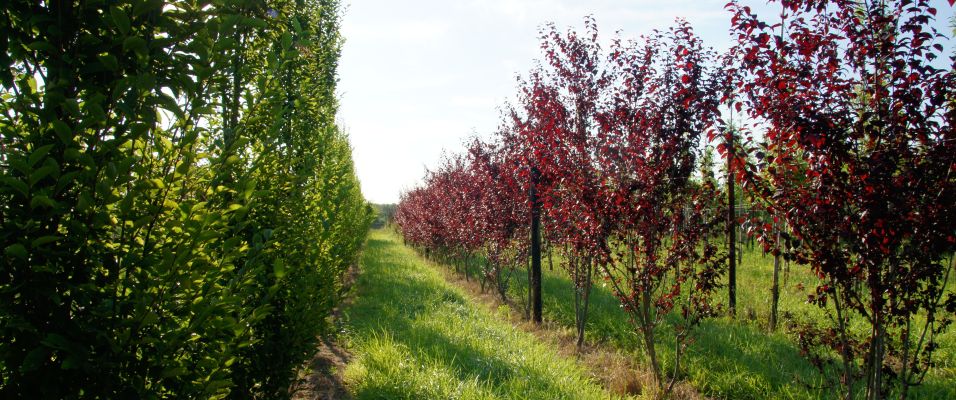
836, 120
177, 206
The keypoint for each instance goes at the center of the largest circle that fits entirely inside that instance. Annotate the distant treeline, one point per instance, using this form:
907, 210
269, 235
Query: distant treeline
384, 215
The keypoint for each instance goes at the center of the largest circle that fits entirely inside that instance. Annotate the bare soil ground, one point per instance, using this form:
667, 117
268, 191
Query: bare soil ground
321, 377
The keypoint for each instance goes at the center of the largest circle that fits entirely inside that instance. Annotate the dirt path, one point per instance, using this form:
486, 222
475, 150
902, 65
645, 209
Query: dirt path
321, 377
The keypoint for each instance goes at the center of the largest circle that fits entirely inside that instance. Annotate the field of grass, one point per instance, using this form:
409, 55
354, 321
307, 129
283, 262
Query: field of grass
415, 336
735, 359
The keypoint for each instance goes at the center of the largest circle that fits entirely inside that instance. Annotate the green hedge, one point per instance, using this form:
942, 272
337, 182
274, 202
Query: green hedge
177, 206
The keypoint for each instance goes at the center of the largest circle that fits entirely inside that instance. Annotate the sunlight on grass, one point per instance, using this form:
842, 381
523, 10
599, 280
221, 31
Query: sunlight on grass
416, 337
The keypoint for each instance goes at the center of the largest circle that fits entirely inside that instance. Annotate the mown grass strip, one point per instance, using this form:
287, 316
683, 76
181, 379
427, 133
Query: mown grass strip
415, 336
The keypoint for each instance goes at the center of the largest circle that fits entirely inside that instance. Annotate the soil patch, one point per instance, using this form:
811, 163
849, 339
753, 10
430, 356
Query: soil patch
321, 377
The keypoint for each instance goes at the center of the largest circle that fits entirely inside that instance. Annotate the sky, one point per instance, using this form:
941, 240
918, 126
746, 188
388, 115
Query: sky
419, 77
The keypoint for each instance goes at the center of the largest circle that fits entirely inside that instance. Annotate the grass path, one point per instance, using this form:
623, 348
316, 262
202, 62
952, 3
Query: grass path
415, 336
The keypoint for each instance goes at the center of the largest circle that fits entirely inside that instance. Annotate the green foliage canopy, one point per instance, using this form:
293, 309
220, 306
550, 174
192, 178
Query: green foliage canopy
177, 205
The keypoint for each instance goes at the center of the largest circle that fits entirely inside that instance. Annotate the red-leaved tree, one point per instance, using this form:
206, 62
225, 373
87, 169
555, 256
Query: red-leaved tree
572, 92
853, 96
664, 101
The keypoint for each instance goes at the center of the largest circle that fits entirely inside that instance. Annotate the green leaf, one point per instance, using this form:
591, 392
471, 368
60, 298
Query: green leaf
135, 44
56, 341
66, 180
42, 201
16, 250
42, 46
71, 362
42, 240
286, 40
142, 221
41, 173
72, 154
215, 386
38, 154
72, 106
207, 235
32, 84
169, 103
63, 131
173, 371
34, 359
83, 202
183, 168
150, 318
120, 19
109, 61
225, 44
17, 184
278, 268
95, 111
256, 23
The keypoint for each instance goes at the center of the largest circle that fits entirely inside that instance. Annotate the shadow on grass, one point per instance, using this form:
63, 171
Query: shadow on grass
729, 359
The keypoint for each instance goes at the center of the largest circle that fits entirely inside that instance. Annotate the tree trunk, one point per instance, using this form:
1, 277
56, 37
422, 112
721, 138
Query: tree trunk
731, 227
874, 384
775, 289
647, 328
500, 284
584, 292
905, 371
535, 278
529, 300
550, 259
845, 348
482, 275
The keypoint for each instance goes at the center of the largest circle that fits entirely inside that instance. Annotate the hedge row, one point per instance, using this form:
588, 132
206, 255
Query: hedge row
177, 205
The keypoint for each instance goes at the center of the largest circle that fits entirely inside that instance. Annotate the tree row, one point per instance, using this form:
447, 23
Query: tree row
836, 121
